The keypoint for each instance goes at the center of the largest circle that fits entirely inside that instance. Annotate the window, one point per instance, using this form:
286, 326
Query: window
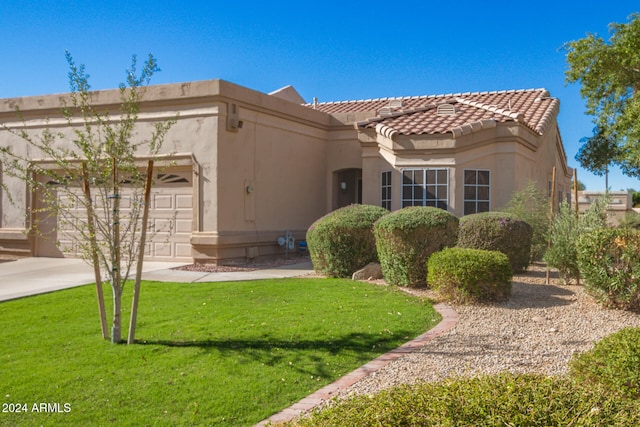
425, 187
477, 186
385, 197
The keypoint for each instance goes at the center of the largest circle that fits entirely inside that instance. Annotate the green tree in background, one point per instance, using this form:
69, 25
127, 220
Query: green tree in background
609, 74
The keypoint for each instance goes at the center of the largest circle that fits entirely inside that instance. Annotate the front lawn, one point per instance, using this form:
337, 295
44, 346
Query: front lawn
206, 354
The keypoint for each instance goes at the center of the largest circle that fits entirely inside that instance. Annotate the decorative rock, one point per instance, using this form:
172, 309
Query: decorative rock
371, 271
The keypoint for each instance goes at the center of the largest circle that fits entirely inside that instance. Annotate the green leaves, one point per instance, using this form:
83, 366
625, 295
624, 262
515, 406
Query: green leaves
465, 275
609, 74
342, 241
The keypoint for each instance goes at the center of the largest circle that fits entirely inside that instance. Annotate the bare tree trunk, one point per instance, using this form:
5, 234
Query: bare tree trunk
116, 329
116, 334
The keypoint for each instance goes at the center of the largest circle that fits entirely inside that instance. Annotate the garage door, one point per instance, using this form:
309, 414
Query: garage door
169, 228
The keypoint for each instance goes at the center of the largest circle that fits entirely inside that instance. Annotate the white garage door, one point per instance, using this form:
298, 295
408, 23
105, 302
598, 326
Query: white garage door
170, 221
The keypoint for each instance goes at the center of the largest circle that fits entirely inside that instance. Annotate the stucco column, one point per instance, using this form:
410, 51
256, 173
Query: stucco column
370, 174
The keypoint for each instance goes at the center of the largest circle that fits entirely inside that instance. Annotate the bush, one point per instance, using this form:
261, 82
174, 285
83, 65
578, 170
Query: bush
498, 231
499, 400
464, 275
631, 220
531, 204
613, 363
406, 238
565, 231
342, 241
609, 260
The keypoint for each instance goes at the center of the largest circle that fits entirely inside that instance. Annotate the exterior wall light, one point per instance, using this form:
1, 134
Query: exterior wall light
343, 185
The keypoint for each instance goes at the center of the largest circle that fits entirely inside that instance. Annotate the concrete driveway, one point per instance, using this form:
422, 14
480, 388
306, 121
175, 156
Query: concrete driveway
31, 276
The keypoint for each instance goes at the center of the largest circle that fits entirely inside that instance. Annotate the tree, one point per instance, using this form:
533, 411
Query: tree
531, 204
581, 185
93, 167
609, 74
597, 153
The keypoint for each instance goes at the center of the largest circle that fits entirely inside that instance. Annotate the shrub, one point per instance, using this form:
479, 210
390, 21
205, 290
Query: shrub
609, 260
565, 230
631, 220
498, 231
342, 241
466, 275
563, 253
499, 400
531, 204
614, 363
406, 238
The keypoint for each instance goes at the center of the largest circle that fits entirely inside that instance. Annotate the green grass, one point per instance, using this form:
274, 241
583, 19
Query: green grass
206, 354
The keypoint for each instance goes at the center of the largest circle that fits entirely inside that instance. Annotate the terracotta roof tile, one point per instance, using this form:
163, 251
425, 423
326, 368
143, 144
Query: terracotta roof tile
535, 108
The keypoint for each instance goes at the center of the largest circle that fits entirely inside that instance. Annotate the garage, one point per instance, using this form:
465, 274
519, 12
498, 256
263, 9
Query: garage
171, 213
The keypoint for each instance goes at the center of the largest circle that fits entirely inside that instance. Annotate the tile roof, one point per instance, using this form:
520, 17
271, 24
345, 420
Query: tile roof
459, 114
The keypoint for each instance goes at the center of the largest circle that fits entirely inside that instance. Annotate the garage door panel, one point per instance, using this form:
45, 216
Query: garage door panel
183, 226
163, 201
170, 218
184, 201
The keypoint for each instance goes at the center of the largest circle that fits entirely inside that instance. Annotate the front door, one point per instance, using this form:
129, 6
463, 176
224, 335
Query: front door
348, 187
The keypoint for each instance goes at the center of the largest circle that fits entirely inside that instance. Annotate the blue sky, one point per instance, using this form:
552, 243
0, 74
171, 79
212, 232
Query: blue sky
332, 50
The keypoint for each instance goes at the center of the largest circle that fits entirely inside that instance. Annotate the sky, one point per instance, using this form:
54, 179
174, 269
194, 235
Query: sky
330, 50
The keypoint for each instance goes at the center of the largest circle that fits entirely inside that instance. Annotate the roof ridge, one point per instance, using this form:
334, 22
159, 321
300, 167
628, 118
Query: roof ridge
548, 116
395, 114
508, 113
443, 95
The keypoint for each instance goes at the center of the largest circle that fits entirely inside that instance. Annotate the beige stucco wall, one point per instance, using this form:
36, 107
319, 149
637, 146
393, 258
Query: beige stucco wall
279, 152
513, 154
264, 165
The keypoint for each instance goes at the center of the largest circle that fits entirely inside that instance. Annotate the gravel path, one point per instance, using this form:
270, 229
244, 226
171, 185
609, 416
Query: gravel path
536, 331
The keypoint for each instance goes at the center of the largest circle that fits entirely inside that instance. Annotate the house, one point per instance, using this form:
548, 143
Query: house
620, 203
248, 168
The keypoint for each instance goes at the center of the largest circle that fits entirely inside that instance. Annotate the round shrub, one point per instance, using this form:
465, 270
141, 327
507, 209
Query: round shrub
463, 275
609, 260
498, 231
612, 363
406, 238
342, 241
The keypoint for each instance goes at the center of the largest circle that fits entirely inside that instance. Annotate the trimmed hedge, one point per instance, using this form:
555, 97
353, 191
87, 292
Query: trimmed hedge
463, 275
406, 238
342, 241
613, 363
499, 400
609, 260
498, 231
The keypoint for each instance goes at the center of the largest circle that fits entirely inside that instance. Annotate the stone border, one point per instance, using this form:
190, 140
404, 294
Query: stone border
449, 319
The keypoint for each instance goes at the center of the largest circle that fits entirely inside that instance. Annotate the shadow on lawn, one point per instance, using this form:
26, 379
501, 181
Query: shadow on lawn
272, 350
357, 342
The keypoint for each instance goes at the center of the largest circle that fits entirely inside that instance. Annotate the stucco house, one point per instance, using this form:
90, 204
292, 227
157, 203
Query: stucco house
248, 167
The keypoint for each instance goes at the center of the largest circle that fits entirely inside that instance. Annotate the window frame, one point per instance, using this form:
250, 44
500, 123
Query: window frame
476, 200
386, 202
423, 186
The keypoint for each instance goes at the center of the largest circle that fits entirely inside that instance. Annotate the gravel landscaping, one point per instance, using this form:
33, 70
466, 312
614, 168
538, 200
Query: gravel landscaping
536, 331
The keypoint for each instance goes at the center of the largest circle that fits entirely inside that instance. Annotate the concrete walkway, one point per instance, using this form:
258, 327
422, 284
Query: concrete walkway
31, 276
